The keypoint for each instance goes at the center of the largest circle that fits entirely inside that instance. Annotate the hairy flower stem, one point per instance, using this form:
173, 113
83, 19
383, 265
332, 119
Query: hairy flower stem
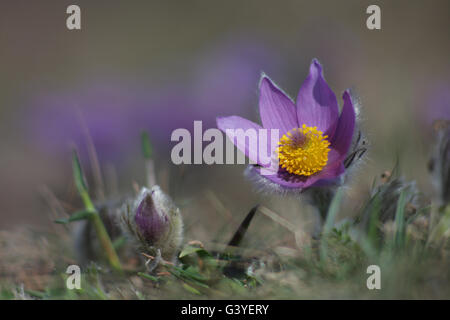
149, 164
318, 224
320, 199
102, 234
150, 171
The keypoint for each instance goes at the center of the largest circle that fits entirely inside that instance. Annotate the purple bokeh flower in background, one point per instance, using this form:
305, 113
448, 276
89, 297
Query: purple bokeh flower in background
115, 111
102, 107
224, 78
315, 138
436, 105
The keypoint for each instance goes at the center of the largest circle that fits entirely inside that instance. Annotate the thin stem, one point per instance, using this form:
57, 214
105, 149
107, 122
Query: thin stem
150, 171
102, 234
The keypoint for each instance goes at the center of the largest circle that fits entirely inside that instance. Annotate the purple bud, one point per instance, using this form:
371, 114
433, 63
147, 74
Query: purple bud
154, 222
151, 220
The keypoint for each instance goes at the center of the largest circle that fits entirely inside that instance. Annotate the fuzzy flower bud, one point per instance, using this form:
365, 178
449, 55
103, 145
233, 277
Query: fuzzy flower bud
155, 222
387, 195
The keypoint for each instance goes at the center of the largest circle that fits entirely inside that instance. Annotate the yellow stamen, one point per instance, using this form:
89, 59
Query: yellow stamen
303, 151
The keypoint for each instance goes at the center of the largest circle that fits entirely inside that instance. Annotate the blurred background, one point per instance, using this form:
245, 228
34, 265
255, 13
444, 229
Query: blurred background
160, 65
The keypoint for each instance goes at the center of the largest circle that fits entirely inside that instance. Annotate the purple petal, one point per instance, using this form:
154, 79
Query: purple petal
333, 157
287, 180
249, 149
342, 138
277, 110
316, 102
330, 177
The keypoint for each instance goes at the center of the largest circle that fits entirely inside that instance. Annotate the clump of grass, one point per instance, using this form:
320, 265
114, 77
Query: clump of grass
408, 239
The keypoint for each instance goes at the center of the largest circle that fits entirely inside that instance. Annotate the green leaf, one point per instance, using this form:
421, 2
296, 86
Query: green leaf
80, 181
146, 145
148, 277
400, 220
79, 215
193, 273
36, 294
189, 274
191, 289
6, 294
254, 281
372, 234
188, 250
119, 242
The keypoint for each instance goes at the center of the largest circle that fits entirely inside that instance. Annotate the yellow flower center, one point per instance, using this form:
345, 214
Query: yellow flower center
303, 151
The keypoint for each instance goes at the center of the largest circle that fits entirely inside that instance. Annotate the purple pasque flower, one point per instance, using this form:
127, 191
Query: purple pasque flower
314, 139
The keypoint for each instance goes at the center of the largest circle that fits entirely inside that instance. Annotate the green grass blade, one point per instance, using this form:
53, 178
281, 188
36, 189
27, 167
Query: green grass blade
148, 277
146, 145
80, 181
191, 289
188, 250
372, 233
399, 238
100, 229
240, 232
79, 215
